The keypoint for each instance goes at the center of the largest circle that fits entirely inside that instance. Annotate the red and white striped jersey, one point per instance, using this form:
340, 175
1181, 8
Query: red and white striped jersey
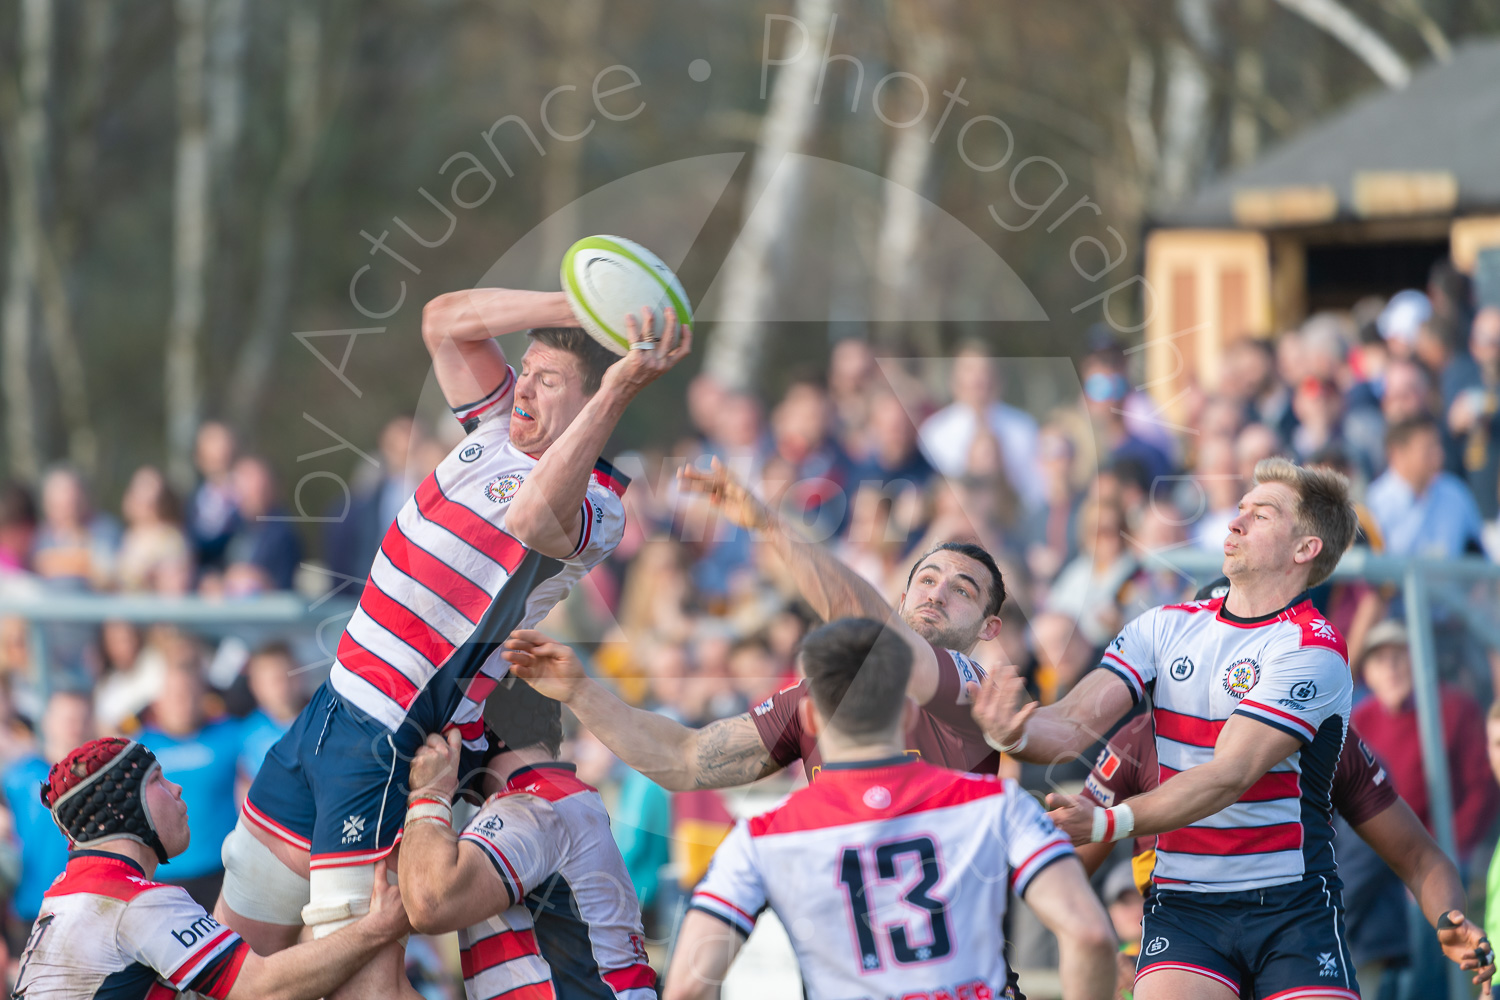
1288, 670
450, 583
890, 877
105, 930
577, 930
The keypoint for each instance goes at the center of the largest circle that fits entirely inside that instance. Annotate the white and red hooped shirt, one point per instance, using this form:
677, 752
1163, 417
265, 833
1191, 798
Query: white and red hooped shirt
450, 583
1290, 671
106, 930
575, 930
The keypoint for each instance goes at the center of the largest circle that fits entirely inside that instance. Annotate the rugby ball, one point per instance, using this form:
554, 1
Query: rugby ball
607, 278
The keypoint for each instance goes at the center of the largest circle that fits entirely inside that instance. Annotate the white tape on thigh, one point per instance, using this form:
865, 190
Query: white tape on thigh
340, 896
257, 884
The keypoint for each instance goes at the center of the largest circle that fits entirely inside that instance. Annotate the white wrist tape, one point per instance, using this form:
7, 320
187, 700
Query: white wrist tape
1015, 747
429, 809
1112, 824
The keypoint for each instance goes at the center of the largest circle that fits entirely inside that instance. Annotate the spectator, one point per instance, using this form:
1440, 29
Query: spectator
1388, 722
263, 552
1215, 494
1142, 413
1088, 588
1401, 321
155, 554
1103, 392
1492, 882
67, 723
17, 529
948, 435
350, 543
1051, 529
801, 434
752, 670
1250, 379
1420, 509
1408, 392
1126, 909
893, 459
212, 513
74, 545
1471, 392
272, 673
202, 755
852, 375
131, 675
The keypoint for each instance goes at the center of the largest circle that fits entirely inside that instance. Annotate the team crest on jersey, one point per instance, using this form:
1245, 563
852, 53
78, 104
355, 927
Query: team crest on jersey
1241, 676
1322, 629
354, 829
502, 488
1181, 669
471, 452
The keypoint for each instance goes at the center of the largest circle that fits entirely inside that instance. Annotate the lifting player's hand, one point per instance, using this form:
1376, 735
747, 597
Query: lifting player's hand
1002, 705
1465, 943
548, 666
656, 344
434, 769
732, 498
1074, 815
387, 917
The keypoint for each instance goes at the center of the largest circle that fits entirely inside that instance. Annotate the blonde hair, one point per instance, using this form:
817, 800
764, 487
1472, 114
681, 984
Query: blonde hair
1324, 509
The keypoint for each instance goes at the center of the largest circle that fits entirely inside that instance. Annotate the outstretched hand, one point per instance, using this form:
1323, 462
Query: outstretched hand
1002, 705
725, 493
1465, 944
669, 340
549, 666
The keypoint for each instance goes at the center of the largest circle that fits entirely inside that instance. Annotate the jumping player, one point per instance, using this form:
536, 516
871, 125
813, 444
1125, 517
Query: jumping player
518, 512
1251, 698
107, 930
534, 885
952, 602
890, 874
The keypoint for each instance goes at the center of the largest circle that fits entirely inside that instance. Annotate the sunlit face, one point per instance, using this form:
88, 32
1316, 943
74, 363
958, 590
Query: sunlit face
1263, 538
168, 813
549, 394
1387, 673
946, 599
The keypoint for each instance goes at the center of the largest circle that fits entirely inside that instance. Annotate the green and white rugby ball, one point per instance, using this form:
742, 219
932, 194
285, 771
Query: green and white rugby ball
607, 278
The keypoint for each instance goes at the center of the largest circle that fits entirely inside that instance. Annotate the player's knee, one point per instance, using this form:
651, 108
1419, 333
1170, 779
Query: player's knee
257, 884
338, 897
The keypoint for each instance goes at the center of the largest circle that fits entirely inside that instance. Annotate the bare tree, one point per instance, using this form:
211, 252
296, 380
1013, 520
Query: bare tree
192, 236
735, 351
572, 27
1357, 36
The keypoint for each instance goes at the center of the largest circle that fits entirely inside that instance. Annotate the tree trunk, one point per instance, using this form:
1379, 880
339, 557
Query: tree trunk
572, 25
25, 144
737, 347
1356, 36
192, 234
306, 113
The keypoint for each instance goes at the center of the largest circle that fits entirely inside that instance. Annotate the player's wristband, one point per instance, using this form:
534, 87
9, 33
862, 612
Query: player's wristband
1015, 747
1111, 825
432, 810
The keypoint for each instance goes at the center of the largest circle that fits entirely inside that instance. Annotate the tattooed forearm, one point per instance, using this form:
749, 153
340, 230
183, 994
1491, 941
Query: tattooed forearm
729, 752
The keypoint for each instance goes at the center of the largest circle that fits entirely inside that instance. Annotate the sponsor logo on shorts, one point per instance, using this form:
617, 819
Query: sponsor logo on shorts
471, 452
199, 930
1181, 669
877, 797
1157, 946
354, 829
1101, 794
1306, 691
1241, 676
1328, 964
502, 488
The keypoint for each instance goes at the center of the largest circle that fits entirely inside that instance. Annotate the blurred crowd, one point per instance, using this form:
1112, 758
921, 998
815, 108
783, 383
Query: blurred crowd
1085, 506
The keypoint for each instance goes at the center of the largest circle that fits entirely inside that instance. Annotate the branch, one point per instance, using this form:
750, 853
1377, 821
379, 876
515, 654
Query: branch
1358, 37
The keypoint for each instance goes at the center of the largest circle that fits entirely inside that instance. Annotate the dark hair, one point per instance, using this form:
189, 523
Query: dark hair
857, 671
979, 555
16, 506
1403, 431
593, 357
523, 718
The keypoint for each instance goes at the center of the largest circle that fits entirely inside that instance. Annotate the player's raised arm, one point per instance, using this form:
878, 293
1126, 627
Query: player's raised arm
722, 754
459, 329
701, 957
545, 512
831, 589
315, 968
1016, 725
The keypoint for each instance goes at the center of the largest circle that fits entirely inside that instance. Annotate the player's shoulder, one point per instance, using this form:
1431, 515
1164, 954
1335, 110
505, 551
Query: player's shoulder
869, 795
968, 668
552, 783
115, 878
1209, 606
1309, 629
607, 481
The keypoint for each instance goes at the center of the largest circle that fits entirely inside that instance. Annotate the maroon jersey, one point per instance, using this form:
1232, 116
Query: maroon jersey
944, 733
1127, 766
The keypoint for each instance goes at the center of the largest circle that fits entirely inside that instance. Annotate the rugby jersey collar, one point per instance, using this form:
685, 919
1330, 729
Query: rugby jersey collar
869, 765
1225, 615
518, 777
107, 856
